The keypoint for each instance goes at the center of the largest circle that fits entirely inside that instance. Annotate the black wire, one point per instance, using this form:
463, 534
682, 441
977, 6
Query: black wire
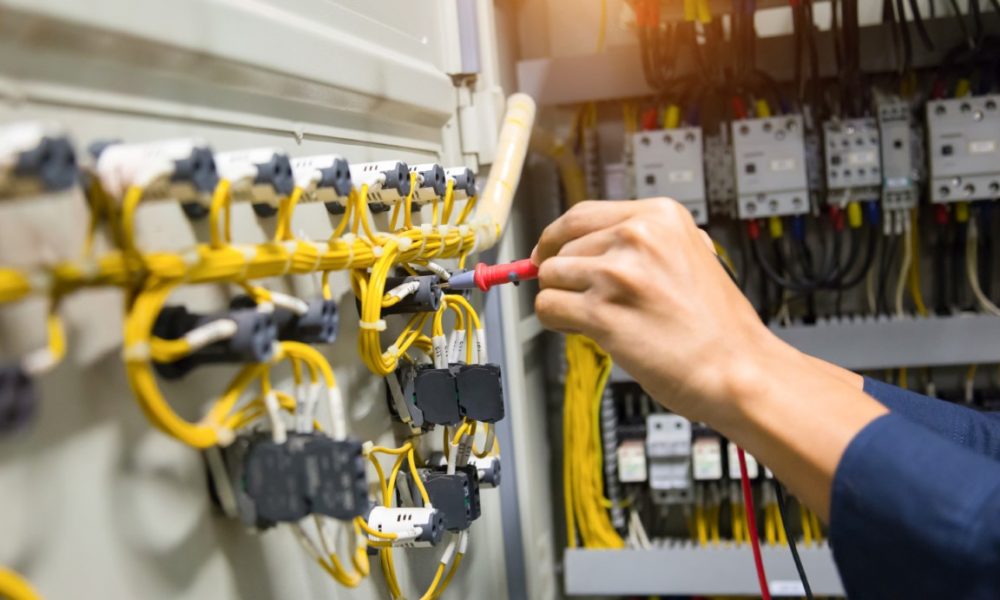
907, 43
888, 258
774, 274
918, 20
960, 283
961, 23
783, 509
941, 271
866, 264
986, 252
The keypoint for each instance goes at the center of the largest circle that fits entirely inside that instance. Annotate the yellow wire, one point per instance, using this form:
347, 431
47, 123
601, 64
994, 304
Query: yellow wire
15, 587
221, 203
283, 231
914, 274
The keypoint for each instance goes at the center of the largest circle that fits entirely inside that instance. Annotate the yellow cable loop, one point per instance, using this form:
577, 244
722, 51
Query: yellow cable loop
449, 201
15, 587
221, 203
283, 231
914, 274
407, 204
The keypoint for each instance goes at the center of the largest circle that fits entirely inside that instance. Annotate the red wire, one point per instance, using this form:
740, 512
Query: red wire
752, 525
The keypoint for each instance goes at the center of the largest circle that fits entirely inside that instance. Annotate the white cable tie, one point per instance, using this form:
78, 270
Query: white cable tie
338, 422
224, 436
366, 448
463, 230
376, 251
443, 229
349, 241
373, 325
278, 432
211, 332
38, 362
136, 352
248, 252
289, 302
190, 257
426, 229
403, 242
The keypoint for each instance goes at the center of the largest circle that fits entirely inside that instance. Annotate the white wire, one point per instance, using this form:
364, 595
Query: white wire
905, 266
972, 270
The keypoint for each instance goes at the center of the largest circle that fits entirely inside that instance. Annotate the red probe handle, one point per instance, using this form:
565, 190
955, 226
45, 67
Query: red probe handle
488, 276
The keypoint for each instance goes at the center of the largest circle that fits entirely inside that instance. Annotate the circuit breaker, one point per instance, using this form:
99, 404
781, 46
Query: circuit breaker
963, 140
899, 166
668, 449
853, 161
770, 167
669, 163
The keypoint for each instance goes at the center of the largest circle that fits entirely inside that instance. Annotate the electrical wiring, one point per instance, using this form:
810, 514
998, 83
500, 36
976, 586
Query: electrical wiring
782, 510
587, 520
15, 587
972, 270
905, 266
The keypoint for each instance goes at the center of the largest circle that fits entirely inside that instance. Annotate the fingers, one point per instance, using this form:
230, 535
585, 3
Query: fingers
565, 272
592, 244
580, 220
562, 310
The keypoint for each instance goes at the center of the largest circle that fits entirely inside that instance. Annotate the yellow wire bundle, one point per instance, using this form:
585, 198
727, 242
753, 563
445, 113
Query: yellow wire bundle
588, 368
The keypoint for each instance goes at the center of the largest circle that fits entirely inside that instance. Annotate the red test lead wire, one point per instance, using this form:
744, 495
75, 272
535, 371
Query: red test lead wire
765, 592
486, 276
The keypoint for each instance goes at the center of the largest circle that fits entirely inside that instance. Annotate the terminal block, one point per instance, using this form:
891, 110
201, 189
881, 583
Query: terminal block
668, 449
963, 140
435, 394
18, 400
425, 296
182, 169
719, 171
326, 179
307, 474
262, 176
333, 477
253, 340
417, 527
465, 182
480, 392
317, 321
853, 160
35, 157
431, 182
455, 495
900, 174
669, 163
770, 167
631, 459
388, 182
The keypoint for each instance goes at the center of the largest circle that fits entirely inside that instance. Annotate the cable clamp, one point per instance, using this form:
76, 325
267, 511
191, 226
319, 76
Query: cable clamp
372, 325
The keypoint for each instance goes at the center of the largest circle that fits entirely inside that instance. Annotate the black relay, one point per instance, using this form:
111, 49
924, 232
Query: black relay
333, 477
456, 496
436, 395
480, 393
273, 479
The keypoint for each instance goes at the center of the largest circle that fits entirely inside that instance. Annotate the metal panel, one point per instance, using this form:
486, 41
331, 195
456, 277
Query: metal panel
695, 571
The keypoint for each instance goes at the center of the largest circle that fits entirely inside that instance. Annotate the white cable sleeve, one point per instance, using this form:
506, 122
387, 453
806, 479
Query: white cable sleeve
209, 333
398, 398
453, 337
289, 303
279, 434
440, 347
463, 541
404, 289
481, 355
904, 268
449, 551
338, 420
307, 413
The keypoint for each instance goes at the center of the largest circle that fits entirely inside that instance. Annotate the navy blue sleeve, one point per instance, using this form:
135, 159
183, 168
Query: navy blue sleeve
913, 515
975, 430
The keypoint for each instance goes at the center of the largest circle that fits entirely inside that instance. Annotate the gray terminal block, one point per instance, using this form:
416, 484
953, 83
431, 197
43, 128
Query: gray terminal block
770, 167
899, 143
465, 182
273, 481
668, 452
48, 166
963, 144
253, 341
427, 298
333, 477
431, 183
853, 159
669, 163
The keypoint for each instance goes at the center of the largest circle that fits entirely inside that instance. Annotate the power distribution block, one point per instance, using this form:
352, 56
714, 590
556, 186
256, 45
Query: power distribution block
900, 173
770, 166
668, 450
669, 163
853, 160
963, 140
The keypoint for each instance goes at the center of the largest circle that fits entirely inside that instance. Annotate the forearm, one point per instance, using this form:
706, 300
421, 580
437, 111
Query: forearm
799, 423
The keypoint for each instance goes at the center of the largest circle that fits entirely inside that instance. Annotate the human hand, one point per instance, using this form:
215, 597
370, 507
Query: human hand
643, 281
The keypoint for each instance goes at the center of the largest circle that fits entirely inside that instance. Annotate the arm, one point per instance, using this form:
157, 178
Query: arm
640, 279
914, 515
977, 431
